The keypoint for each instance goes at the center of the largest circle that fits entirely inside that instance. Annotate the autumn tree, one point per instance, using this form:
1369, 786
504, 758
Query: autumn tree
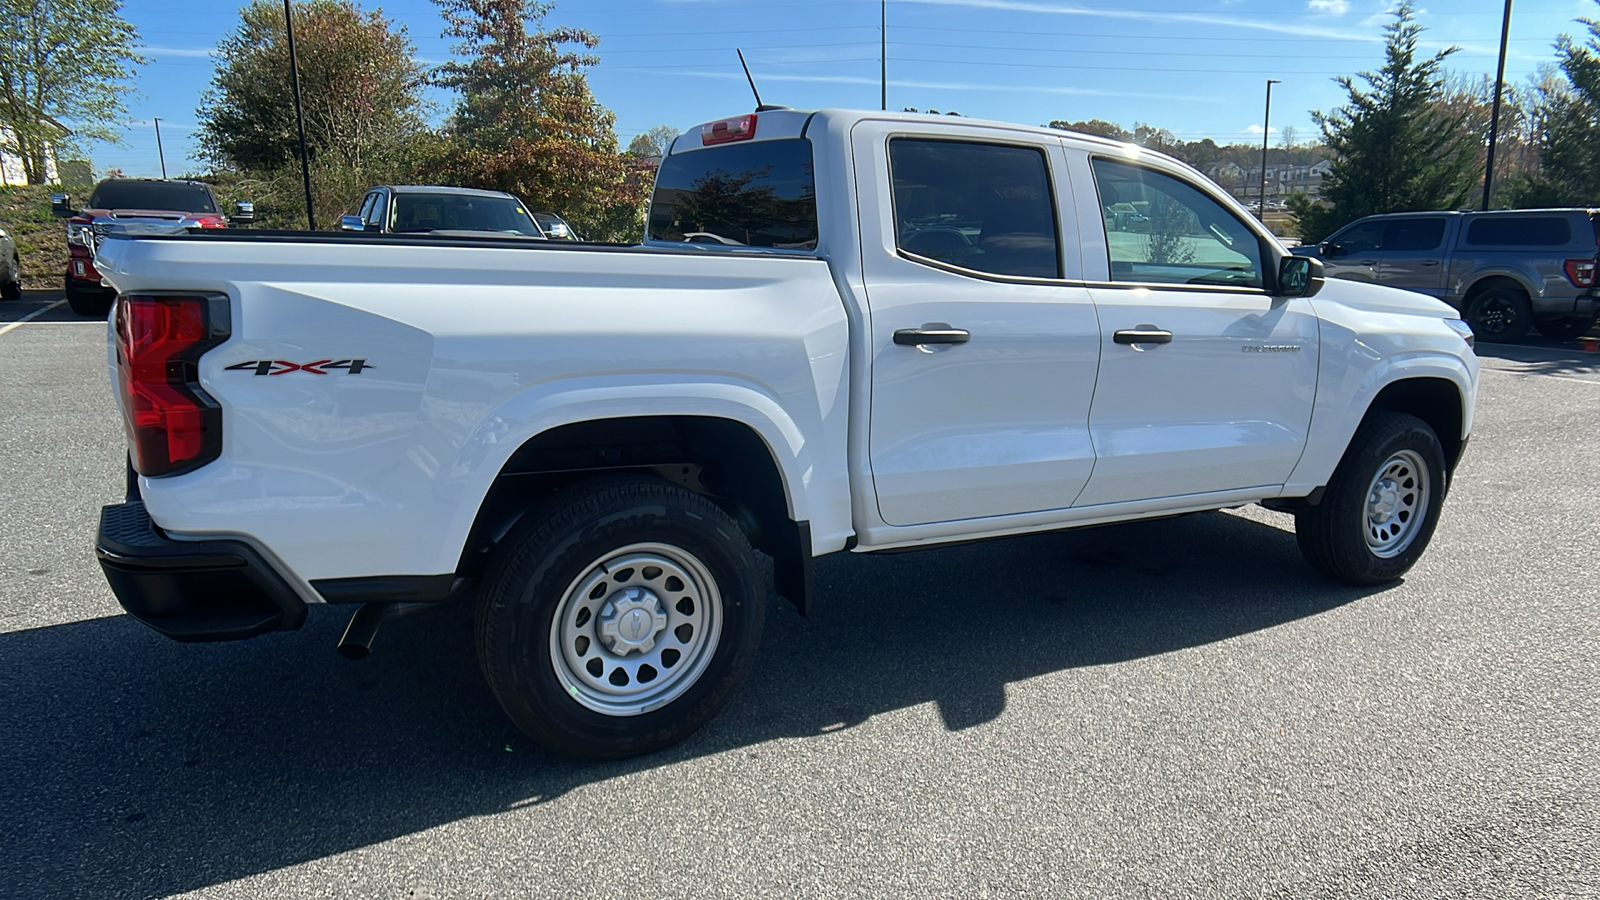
65, 68
526, 122
655, 142
1395, 148
1097, 127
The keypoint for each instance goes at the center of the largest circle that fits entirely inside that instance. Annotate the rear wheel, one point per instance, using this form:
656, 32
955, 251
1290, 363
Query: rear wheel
620, 618
1382, 504
1500, 314
1565, 329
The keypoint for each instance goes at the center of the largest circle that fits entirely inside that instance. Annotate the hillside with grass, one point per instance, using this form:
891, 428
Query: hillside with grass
41, 238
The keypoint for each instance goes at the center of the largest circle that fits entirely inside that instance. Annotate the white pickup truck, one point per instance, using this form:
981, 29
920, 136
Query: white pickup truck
903, 331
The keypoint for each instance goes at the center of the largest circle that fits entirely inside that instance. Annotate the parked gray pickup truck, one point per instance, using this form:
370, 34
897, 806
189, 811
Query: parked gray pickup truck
1505, 270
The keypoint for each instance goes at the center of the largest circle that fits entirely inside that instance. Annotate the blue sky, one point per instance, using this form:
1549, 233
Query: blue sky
1197, 68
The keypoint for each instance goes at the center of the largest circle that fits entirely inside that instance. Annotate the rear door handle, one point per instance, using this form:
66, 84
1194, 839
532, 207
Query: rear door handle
1369, 262
1142, 336
912, 337
1430, 262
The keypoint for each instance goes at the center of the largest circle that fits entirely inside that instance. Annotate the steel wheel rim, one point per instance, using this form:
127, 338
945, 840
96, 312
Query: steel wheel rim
636, 629
1397, 503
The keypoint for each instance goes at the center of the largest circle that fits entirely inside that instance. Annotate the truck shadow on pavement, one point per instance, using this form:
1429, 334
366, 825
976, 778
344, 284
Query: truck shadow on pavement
133, 766
1544, 358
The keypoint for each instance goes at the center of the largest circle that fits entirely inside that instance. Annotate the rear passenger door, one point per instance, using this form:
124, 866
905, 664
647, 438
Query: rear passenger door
1413, 254
983, 338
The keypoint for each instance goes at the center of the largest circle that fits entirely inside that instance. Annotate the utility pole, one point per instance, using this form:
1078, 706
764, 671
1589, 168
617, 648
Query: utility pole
299, 116
1266, 132
883, 54
1494, 117
159, 151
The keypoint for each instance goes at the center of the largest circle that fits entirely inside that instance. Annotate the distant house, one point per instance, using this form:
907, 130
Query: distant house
11, 171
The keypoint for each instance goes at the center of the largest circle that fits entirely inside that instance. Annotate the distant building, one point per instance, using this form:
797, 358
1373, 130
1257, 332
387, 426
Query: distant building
11, 171
1282, 180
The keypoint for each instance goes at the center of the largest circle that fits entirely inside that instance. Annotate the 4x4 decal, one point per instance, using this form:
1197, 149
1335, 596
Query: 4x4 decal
284, 367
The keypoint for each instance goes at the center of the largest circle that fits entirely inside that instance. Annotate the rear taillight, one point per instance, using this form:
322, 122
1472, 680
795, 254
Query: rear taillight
209, 222
1580, 272
173, 425
739, 128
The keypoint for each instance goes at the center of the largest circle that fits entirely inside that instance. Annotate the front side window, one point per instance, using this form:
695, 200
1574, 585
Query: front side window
1160, 230
1365, 237
1413, 235
374, 212
985, 207
750, 194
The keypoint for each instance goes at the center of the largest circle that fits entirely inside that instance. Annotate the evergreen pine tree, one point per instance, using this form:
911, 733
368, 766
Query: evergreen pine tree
1396, 148
1567, 125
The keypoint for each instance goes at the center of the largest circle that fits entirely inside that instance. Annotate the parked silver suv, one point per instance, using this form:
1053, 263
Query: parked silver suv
1505, 270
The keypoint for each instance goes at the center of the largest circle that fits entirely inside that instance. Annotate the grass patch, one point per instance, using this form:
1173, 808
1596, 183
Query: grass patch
41, 238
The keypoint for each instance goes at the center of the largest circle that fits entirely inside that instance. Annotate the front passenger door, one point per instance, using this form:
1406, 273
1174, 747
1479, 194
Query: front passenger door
1206, 379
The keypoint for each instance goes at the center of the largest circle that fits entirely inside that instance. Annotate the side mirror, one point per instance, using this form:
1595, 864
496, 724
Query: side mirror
61, 206
244, 212
352, 223
1299, 276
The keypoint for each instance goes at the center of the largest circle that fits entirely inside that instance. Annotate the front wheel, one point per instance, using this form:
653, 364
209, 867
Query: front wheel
621, 618
1381, 505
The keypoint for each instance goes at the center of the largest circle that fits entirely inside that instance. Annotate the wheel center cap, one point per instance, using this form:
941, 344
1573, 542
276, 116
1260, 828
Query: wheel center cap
630, 621
1385, 499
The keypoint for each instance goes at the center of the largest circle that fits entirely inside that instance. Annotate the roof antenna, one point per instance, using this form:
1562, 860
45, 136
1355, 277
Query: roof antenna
760, 107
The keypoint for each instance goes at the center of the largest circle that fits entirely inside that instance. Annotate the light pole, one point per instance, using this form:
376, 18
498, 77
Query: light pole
883, 54
1494, 117
299, 116
1266, 132
159, 152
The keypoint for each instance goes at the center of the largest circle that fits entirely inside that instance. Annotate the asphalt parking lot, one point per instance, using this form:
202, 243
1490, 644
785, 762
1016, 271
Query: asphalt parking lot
1170, 709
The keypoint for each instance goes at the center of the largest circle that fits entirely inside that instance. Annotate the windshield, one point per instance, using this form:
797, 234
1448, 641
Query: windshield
163, 195
461, 212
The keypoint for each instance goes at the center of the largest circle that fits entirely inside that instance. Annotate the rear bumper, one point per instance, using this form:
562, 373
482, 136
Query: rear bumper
215, 590
1581, 306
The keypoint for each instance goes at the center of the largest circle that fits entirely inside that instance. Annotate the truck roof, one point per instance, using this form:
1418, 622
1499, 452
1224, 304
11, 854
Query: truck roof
778, 124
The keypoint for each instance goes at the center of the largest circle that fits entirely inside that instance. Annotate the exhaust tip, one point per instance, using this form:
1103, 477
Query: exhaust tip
354, 651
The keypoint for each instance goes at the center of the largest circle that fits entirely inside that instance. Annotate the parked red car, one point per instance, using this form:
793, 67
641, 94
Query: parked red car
142, 205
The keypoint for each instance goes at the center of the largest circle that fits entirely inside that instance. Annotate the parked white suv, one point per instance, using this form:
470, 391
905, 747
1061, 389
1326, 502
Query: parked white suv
916, 330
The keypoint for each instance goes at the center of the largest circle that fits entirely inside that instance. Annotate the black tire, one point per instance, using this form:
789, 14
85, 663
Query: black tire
1499, 314
549, 562
1334, 534
12, 290
94, 305
1565, 329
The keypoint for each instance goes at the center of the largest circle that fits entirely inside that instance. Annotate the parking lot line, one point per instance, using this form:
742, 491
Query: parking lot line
33, 315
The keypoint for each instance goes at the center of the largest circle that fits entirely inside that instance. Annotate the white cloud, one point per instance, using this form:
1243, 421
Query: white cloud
1176, 18
176, 51
1329, 7
945, 85
1256, 129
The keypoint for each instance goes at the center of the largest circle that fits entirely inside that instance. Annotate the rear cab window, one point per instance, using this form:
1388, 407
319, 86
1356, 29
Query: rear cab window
759, 193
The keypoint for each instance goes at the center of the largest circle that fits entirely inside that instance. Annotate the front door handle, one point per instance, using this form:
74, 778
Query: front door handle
1430, 262
913, 337
1142, 336
1369, 262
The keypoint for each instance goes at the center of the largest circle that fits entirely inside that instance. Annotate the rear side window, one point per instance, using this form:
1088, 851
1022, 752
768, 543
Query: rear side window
754, 194
153, 195
1413, 235
1520, 231
985, 207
